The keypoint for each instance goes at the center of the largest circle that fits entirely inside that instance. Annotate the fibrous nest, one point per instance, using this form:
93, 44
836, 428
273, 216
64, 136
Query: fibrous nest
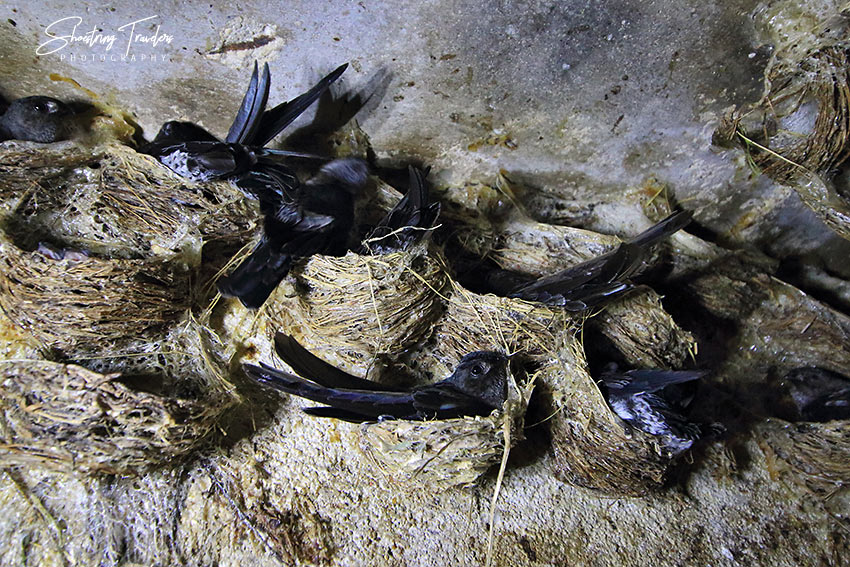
75, 305
592, 446
778, 329
805, 116
798, 133
817, 451
66, 416
121, 310
822, 451
445, 453
116, 202
133, 380
643, 333
457, 452
361, 307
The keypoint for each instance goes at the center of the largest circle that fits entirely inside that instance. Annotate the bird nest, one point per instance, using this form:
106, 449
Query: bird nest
69, 417
132, 383
116, 202
361, 306
118, 311
90, 304
592, 446
643, 333
822, 451
798, 133
819, 451
456, 452
435, 322
445, 453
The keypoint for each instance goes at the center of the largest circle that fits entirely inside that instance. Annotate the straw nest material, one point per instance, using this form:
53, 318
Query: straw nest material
353, 310
456, 452
151, 386
69, 417
643, 333
116, 202
798, 133
80, 305
822, 451
819, 452
592, 446
445, 453
490, 221
361, 306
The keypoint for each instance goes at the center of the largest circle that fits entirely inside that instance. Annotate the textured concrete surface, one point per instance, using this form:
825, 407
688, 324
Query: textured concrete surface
582, 104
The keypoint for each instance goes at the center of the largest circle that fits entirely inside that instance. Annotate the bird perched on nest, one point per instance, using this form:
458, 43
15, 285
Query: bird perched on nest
37, 119
584, 285
317, 220
816, 394
642, 398
478, 386
411, 218
192, 152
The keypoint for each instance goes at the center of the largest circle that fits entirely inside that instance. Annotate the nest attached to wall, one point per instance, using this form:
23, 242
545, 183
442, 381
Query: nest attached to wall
445, 453
643, 333
594, 448
804, 129
68, 417
818, 451
81, 305
822, 451
361, 307
806, 115
116, 202
429, 323
152, 386
456, 452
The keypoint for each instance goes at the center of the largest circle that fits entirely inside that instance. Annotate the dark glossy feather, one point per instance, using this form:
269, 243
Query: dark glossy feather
275, 120
637, 381
194, 153
599, 279
304, 363
476, 387
407, 222
174, 131
318, 220
253, 106
639, 398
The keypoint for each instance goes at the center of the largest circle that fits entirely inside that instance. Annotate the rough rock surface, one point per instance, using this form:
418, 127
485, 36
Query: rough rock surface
586, 107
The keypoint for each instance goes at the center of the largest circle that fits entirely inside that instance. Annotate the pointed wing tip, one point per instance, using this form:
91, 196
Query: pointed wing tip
336, 73
284, 343
676, 221
253, 371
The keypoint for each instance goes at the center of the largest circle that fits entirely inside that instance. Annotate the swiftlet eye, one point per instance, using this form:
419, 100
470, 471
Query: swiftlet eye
477, 370
40, 107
